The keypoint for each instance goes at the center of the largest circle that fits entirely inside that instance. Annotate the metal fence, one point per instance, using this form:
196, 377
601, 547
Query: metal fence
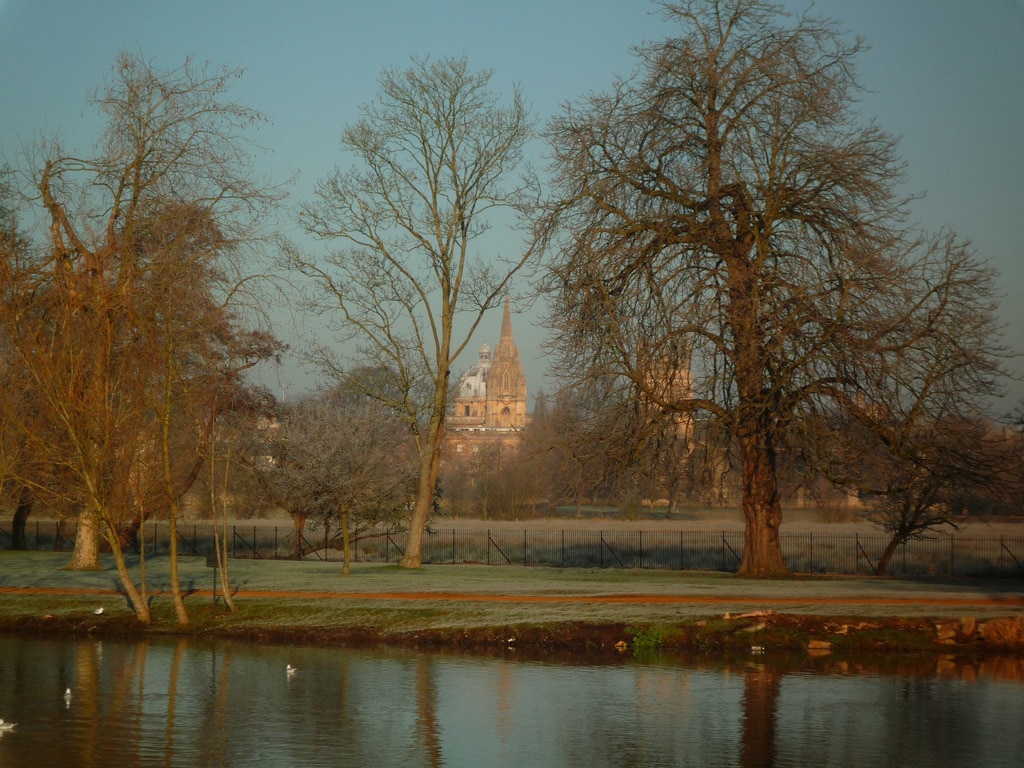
958, 555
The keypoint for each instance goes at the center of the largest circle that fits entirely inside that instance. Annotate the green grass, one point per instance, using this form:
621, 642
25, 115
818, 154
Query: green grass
363, 605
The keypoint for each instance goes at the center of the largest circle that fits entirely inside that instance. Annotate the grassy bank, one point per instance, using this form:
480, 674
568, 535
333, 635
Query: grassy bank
606, 610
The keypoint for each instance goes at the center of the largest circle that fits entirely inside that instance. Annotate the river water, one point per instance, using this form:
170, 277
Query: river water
187, 703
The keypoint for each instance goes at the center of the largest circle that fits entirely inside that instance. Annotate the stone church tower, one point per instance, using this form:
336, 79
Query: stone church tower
492, 394
506, 384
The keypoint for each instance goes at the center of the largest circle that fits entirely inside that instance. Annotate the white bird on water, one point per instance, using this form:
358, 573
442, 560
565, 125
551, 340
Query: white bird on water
290, 670
67, 698
6, 726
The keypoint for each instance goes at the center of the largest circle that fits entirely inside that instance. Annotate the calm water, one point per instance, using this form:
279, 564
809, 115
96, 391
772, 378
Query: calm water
189, 704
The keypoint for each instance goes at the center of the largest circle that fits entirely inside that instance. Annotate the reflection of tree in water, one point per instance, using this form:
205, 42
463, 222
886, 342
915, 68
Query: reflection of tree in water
172, 697
88, 676
760, 698
427, 728
214, 734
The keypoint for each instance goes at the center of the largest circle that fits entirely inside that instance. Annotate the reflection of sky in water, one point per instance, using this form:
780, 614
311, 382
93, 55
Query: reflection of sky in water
527, 713
234, 705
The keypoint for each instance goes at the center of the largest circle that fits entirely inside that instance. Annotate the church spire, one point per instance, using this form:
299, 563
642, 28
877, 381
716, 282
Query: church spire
506, 321
507, 350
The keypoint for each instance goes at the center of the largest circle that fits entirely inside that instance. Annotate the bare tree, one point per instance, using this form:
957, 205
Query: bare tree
340, 459
723, 219
434, 158
200, 344
918, 443
15, 397
568, 446
170, 176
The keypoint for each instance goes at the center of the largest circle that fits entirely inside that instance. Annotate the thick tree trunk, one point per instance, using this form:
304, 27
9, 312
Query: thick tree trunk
86, 555
762, 511
19, 540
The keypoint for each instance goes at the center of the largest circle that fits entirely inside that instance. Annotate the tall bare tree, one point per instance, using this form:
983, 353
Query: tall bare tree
171, 175
722, 218
200, 345
434, 158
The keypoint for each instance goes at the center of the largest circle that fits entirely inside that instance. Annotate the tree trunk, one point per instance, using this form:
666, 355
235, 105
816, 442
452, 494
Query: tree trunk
19, 540
128, 534
179, 601
426, 487
762, 511
86, 556
890, 549
221, 543
299, 524
170, 490
136, 595
346, 545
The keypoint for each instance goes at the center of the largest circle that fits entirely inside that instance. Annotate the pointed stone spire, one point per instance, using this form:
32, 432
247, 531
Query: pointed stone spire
507, 351
506, 322
506, 383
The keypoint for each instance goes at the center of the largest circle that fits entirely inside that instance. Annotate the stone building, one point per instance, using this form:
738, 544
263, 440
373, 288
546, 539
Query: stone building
491, 396
489, 407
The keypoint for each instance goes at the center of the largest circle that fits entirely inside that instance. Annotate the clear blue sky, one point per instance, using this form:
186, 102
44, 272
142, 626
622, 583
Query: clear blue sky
946, 75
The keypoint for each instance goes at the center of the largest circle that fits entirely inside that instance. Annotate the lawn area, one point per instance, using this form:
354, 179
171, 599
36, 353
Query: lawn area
316, 593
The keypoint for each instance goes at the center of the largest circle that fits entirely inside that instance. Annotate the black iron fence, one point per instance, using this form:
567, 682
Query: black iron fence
961, 555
